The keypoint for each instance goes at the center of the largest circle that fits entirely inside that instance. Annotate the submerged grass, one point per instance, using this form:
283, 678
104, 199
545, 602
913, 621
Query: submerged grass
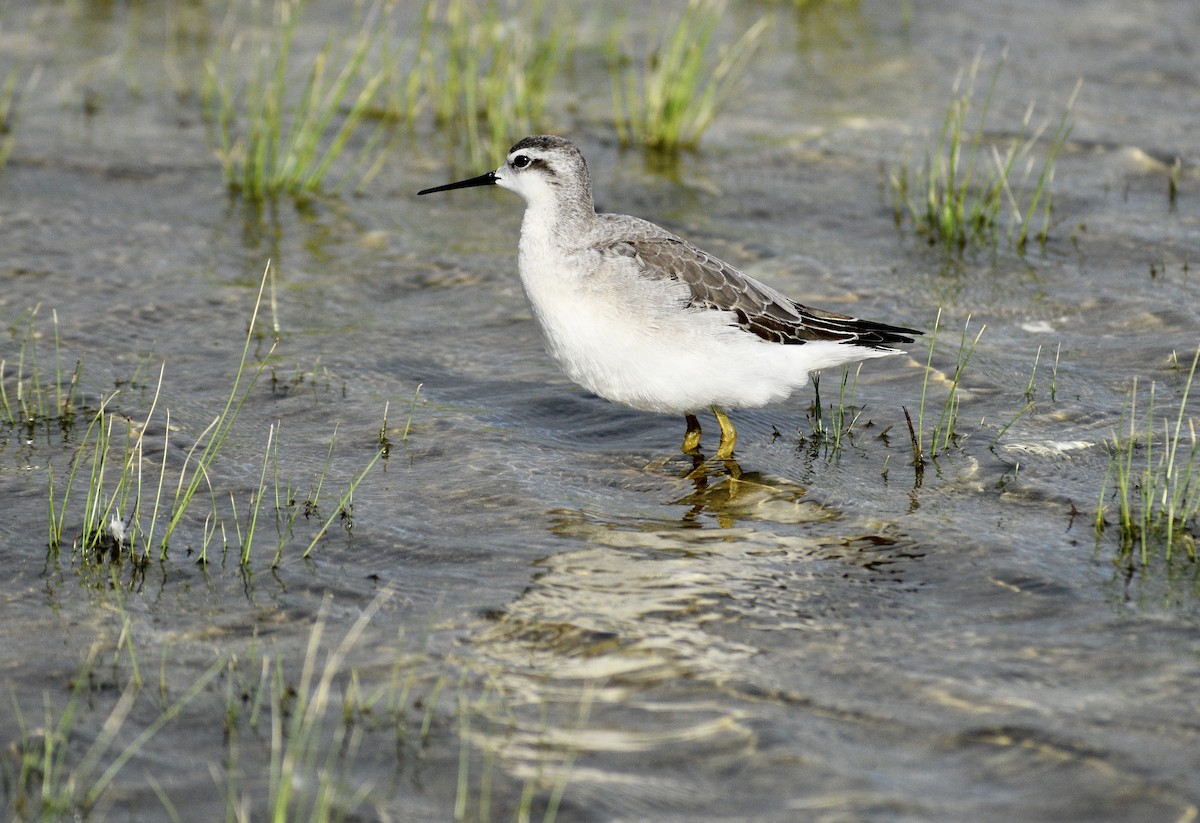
1154, 474
957, 197
668, 100
271, 140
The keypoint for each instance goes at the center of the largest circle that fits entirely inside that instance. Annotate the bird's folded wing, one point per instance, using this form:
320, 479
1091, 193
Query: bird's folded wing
759, 308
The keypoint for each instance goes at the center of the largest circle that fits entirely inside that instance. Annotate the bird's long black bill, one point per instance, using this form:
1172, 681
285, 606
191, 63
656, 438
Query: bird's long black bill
488, 179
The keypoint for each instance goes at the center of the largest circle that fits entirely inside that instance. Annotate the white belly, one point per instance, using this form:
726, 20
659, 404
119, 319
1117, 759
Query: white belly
651, 353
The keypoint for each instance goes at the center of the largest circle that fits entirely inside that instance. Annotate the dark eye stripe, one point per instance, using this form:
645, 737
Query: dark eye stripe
524, 161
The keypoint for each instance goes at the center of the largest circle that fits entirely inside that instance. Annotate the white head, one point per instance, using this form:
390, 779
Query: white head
548, 171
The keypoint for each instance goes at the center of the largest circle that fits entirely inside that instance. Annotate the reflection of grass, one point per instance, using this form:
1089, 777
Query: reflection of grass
957, 196
271, 140
671, 100
1156, 480
128, 499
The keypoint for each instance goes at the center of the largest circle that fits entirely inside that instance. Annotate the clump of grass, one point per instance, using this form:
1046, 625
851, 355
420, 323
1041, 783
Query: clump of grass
133, 507
344, 510
831, 433
668, 100
105, 525
30, 396
271, 140
1155, 475
8, 115
944, 432
958, 195
486, 74
1031, 392
1031, 388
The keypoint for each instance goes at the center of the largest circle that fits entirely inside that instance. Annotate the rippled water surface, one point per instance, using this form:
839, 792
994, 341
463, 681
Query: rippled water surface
536, 610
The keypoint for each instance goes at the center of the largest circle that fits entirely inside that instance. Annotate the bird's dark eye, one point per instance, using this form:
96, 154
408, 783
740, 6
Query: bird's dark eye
521, 161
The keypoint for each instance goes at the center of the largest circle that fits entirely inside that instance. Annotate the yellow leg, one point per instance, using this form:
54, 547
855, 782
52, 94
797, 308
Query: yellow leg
728, 434
691, 440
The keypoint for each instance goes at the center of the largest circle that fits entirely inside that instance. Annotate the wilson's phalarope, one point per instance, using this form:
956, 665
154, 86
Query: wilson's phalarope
642, 317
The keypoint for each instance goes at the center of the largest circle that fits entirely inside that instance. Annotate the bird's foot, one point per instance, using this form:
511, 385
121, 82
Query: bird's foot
728, 434
691, 439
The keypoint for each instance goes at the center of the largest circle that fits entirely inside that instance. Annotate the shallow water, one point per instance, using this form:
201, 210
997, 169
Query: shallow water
826, 639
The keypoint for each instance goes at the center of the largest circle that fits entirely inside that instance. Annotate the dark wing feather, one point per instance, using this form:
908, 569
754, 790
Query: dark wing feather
759, 308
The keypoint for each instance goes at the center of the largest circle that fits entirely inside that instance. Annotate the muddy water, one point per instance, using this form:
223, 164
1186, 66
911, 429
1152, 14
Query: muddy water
559, 607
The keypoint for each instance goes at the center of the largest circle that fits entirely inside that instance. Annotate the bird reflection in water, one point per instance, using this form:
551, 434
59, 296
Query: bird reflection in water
722, 491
